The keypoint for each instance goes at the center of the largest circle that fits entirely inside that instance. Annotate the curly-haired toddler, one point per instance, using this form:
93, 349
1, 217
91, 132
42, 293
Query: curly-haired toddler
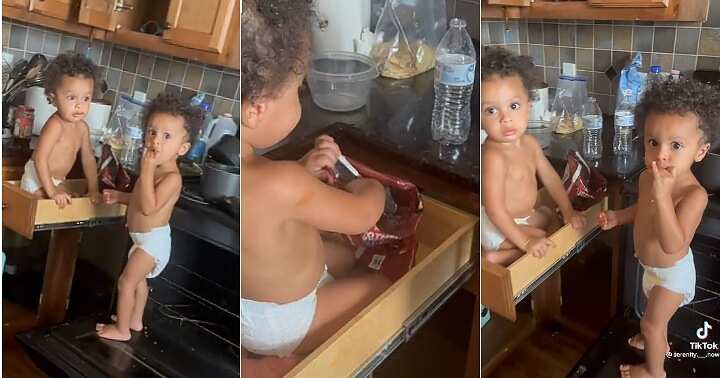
69, 83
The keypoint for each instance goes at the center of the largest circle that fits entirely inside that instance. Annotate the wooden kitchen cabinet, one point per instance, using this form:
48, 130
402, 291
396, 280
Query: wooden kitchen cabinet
16, 3
202, 25
62, 9
629, 3
639, 10
111, 14
511, 3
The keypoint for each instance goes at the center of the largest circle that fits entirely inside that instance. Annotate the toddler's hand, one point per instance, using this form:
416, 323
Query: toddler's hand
110, 196
576, 219
322, 158
607, 219
149, 159
61, 198
538, 246
663, 180
95, 197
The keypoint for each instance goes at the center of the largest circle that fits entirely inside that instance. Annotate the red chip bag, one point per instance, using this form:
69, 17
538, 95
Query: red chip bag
583, 183
390, 245
112, 174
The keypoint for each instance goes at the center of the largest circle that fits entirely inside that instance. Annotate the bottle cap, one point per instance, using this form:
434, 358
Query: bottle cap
655, 69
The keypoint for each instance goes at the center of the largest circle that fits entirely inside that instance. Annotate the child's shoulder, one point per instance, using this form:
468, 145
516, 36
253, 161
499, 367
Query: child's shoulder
277, 179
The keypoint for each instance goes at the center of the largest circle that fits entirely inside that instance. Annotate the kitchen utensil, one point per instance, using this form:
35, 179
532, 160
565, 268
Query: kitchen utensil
219, 181
16, 74
340, 81
219, 127
227, 151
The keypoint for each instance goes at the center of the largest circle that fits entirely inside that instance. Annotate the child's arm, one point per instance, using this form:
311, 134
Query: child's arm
49, 136
303, 197
89, 166
551, 182
612, 218
675, 225
493, 192
153, 198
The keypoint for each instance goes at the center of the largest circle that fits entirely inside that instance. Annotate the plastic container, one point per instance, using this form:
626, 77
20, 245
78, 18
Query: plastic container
340, 81
454, 78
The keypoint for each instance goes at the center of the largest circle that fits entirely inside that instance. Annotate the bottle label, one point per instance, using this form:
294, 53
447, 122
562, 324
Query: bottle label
456, 74
592, 122
624, 120
134, 132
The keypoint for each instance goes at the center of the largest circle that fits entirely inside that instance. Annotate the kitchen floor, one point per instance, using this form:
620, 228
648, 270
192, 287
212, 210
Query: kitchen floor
438, 349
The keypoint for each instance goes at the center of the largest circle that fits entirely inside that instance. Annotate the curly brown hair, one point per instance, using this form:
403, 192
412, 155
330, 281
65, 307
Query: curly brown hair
275, 42
69, 64
681, 97
497, 61
170, 103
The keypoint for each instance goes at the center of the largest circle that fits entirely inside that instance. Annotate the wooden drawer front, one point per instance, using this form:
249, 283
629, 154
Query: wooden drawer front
61, 9
12, 172
445, 246
630, 3
22, 212
503, 287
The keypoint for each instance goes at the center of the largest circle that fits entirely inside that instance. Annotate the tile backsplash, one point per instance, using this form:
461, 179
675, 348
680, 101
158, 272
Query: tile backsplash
128, 69
595, 46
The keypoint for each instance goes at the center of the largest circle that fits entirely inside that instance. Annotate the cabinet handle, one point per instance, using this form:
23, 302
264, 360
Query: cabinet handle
120, 5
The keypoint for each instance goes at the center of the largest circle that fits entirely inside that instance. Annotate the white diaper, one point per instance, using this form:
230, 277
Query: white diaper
490, 237
679, 278
273, 329
156, 243
30, 181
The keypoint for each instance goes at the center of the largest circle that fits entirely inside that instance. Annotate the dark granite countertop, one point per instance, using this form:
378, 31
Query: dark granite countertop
397, 118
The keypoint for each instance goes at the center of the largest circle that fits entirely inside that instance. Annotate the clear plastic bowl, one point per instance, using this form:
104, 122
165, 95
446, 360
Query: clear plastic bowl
340, 81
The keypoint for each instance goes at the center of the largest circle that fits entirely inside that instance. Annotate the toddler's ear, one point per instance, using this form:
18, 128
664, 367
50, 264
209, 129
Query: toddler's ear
184, 148
252, 113
702, 151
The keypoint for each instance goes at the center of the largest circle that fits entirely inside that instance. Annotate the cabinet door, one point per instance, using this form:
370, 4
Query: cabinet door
107, 14
16, 3
201, 25
629, 3
62, 9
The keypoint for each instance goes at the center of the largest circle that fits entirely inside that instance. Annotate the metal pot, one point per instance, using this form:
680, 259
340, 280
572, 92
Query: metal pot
219, 181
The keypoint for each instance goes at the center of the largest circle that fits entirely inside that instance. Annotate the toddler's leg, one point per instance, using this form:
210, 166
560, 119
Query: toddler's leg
508, 253
338, 302
662, 304
136, 319
339, 254
137, 268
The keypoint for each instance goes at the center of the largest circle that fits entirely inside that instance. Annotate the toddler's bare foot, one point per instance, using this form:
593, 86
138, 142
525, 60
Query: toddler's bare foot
637, 371
135, 325
111, 331
638, 342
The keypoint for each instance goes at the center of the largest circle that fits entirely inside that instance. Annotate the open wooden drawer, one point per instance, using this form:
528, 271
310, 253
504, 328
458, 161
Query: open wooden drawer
503, 287
24, 214
445, 246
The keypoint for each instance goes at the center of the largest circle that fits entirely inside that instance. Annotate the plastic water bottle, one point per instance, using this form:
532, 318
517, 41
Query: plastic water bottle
454, 77
199, 148
624, 125
593, 122
655, 75
132, 143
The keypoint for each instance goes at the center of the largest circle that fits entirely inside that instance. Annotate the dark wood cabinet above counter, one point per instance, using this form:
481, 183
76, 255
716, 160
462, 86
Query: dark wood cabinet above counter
207, 32
639, 10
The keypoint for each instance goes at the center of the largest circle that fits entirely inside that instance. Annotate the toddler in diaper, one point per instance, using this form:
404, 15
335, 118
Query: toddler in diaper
288, 308
511, 163
169, 122
69, 84
678, 121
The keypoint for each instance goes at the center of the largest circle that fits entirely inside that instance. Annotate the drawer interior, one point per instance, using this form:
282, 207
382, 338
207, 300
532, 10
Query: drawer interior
445, 246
